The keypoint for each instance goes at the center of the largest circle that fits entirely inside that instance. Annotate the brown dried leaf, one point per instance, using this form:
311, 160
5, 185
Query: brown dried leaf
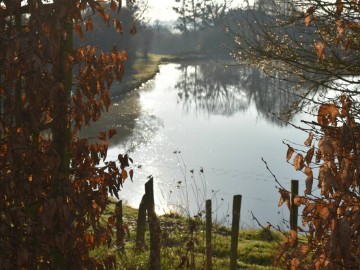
320, 50
281, 250
309, 15
293, 238
94, 204
298, 200
308, 19
323, 212
326, 148
289, 152
102, 135
309, 155
327, 180
346, 172
118, 26
339, 27
309, 139
327, 114
124, 175
303, 251
295, 264
298, 162
285, 197
309, 180
345, 105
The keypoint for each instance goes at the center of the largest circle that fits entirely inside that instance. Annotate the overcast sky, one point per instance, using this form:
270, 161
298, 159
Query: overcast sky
162, 9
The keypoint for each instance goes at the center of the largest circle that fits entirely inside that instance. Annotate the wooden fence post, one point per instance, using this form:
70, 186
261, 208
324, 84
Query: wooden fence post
208, 236
235, 231
141, 225
120, 234
294, 208
154, 226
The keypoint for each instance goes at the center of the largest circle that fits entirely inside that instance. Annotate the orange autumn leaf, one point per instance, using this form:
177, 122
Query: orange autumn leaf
309, 155
298, 162
124, 174
303, 251
102, 135
309, 15
309, 139
289, 153
320, 50
309, 180
284, 197
295, 264
293, 238
327, 114
118, 26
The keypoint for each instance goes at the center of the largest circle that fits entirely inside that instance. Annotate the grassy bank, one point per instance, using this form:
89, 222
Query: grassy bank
184, 239
141, 71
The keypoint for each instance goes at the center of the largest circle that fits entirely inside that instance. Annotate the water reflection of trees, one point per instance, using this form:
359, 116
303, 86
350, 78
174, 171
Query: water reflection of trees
212, 88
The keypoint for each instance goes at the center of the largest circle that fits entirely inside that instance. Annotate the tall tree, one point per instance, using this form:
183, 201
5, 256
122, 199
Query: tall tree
318, 47
194, 15
54, 185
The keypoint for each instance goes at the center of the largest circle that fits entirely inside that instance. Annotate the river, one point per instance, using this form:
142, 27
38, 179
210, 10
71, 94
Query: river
201, 130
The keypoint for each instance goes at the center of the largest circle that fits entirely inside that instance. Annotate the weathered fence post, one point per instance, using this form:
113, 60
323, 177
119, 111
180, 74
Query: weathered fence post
293, 207
120, 234
208, 235
141, 225
235, 231
154, 226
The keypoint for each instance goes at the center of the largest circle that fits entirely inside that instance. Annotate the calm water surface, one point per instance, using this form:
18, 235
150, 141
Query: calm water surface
201, 130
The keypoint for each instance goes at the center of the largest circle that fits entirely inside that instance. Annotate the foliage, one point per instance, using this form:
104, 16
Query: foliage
317, 46
54, 185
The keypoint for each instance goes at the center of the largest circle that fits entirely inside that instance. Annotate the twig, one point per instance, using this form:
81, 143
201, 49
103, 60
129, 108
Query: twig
257, 221
267, 167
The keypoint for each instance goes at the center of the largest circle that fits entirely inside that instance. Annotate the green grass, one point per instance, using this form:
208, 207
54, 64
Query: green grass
255, 250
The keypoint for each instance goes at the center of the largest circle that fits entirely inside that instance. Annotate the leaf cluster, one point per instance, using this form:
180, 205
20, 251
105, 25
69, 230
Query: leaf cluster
53, 185
317, 46
331, 218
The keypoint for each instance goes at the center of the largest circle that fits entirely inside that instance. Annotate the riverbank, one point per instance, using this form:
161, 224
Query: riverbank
183, 238
145, 69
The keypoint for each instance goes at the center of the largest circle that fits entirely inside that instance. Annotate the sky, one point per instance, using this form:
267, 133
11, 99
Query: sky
163, 9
